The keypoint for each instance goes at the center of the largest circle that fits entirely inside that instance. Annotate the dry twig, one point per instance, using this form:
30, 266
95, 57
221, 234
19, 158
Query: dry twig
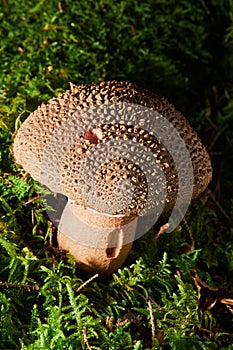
154, 302
60, 7
219, 206
85, 337
87, 282
29, 288
152, 320
161, 231
192, 245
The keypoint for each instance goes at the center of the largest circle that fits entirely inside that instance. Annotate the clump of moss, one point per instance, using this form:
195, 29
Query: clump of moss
182, 51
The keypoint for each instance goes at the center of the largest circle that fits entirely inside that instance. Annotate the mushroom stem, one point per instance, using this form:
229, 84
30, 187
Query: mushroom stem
98, 242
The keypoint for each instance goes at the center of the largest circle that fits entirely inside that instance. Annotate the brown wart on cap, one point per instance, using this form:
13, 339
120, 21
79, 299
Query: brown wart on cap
68, 144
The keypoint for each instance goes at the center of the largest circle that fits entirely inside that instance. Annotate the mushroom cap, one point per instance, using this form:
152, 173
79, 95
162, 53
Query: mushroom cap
93, 139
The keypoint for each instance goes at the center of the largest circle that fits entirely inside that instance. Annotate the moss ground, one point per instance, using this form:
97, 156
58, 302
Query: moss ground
182, 51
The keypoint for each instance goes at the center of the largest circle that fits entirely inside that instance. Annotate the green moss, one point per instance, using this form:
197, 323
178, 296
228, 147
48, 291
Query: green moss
180, 50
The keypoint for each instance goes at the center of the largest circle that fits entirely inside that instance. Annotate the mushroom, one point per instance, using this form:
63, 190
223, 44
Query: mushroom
122, 156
